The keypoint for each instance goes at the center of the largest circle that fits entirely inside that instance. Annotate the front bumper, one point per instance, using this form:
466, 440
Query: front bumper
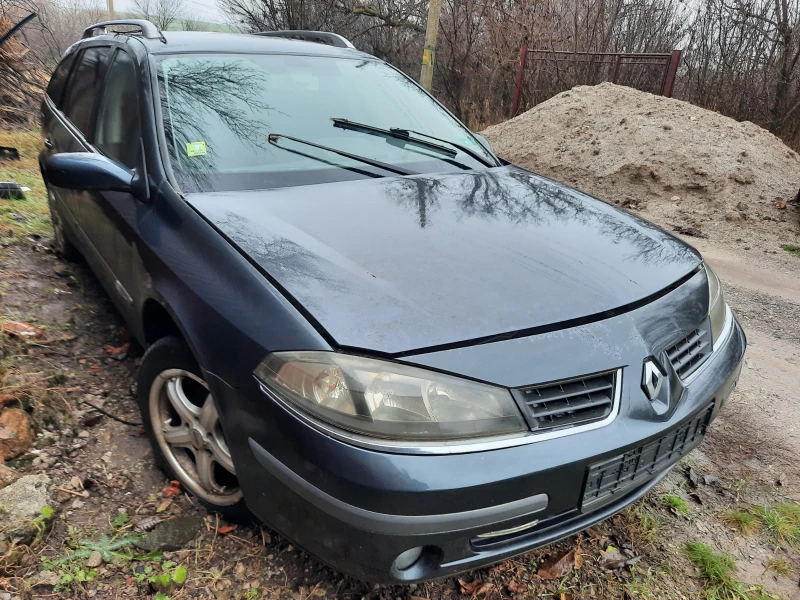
357, 509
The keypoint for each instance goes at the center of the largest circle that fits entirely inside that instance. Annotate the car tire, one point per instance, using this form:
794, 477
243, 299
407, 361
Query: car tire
182, 422
61, 242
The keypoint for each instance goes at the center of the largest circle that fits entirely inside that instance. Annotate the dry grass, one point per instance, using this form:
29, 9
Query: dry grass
780, 566
746, 522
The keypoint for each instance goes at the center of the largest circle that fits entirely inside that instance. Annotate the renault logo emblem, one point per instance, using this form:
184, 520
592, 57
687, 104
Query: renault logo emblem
652, 379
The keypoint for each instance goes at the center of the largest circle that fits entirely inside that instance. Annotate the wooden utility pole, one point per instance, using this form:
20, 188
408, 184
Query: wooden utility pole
111, 14
429, 53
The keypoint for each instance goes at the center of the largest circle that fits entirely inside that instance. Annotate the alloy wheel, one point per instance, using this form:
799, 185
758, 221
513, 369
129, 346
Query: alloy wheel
188, 431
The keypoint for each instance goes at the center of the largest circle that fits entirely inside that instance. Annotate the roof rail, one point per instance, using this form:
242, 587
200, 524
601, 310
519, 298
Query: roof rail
148, 30
321, 37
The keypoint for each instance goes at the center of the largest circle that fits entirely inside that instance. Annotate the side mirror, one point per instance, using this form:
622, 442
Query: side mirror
87, 171
484, 142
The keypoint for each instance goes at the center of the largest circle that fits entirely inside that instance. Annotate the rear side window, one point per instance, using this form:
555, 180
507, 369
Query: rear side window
55, 89
84, 86
117, 133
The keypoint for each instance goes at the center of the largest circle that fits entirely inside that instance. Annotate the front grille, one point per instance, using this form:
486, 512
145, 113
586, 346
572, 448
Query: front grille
568, 403
690, 352
610, 478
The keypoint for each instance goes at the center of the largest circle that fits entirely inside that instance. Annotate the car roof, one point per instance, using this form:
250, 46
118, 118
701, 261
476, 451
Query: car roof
218, 42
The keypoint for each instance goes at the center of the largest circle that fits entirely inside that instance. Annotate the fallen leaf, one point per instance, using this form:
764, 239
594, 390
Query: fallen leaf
613, 559
226, 529
116, 351
471, 587
94, 368
595, 533
8, 398
22, 330
16, 433
163, 506
515, 587
782, 204
696, 497
146, 524
557, 566
82, 361
173, 489
694, 478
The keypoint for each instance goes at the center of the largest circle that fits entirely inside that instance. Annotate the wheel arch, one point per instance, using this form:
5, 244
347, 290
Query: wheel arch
158, 320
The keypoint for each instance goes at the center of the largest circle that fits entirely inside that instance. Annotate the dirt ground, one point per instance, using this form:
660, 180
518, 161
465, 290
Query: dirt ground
109, 487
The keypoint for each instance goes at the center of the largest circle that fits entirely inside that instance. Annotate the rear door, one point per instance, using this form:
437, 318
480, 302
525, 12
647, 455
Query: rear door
55, 133
53, 129
70, 129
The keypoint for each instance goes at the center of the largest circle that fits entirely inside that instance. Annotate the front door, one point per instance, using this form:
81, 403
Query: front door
106, 215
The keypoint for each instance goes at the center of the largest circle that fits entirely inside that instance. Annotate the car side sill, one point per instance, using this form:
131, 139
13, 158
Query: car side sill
395, 524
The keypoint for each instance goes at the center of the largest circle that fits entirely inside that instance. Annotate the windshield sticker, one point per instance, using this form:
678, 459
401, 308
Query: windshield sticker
196, 149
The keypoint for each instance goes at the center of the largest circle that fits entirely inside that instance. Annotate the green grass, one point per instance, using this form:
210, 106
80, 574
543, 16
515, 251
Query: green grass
782, 523
793, 248
717, 570
30, 215
746, 522
676, 503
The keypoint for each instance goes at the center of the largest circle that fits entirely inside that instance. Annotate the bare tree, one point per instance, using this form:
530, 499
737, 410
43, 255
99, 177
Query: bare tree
741, 57
188, 23
162, 13
60, 23
20, 80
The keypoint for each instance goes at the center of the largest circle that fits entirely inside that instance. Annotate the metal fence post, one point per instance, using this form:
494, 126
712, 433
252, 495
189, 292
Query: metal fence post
523, 58
672, 71
616, 69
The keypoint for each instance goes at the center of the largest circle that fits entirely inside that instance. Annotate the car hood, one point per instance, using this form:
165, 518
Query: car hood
396, 265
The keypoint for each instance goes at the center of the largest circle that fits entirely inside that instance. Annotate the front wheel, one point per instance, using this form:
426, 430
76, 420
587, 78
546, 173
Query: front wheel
183, 424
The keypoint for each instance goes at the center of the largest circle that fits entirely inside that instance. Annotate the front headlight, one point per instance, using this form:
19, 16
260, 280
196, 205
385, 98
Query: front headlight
716, 304
389, 400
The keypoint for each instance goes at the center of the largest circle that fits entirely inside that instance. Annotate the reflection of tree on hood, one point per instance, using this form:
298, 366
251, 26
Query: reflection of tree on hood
523, 198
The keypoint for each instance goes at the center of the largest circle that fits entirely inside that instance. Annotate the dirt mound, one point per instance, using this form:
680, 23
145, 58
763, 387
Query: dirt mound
684, 167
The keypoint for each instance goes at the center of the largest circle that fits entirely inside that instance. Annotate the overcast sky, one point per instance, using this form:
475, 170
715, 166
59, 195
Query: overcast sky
202, 10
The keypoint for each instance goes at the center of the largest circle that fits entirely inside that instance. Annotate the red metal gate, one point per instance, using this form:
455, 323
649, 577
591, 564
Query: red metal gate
669, 60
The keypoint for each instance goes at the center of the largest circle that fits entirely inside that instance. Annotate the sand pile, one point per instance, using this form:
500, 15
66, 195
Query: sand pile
681, 166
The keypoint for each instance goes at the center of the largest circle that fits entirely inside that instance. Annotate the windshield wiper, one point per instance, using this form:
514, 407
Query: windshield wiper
273, 138
405, 134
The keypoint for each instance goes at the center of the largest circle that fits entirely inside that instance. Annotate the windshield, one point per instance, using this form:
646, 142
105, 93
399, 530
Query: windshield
219, 109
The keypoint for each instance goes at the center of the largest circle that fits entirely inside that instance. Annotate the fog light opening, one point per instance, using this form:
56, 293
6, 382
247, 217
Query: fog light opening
406, 560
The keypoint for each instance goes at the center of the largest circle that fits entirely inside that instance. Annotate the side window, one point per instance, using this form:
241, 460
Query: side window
84, 86
55, 89
117, 133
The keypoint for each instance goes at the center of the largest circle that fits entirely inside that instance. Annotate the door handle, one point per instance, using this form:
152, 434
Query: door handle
48, 143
